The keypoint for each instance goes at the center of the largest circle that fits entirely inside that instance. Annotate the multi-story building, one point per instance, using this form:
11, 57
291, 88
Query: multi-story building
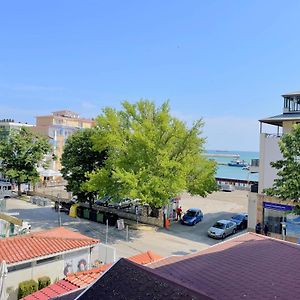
271, 210
7, 125
58, 127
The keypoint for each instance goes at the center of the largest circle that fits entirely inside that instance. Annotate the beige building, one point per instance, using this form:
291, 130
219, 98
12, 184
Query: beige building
271, 210
58, 127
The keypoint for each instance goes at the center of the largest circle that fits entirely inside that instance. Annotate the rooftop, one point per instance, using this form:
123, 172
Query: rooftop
127, 280
297, 93
36, 245
79, 280
277, 120
251, 267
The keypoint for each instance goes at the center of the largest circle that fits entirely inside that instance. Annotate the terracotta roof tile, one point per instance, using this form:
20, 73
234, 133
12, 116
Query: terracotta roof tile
145, 258
26, 247
55, 289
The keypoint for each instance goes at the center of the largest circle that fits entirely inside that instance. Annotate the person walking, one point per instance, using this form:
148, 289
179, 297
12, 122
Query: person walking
258, 228
266, 229
179, 212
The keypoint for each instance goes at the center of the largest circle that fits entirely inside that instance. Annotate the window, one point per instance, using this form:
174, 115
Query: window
46, 260
19, 267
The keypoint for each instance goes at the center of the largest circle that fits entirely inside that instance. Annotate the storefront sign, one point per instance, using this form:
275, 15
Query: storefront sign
277, 206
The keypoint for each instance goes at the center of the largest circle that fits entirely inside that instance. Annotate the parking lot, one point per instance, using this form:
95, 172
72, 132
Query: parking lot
179, 239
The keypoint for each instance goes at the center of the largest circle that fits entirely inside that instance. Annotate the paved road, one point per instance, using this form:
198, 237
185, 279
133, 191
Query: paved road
178, 240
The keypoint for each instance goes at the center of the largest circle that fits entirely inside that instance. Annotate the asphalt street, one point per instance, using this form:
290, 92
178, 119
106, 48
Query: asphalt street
178, 240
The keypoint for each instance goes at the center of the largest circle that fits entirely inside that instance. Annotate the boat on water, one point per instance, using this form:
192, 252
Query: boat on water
238, 163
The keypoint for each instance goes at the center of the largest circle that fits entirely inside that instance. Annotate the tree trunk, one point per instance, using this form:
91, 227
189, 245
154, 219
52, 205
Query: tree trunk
19, 189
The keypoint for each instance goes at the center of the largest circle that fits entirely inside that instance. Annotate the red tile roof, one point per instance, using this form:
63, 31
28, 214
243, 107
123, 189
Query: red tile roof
249, 266
34, 245
84, 278
56, 289
145, 258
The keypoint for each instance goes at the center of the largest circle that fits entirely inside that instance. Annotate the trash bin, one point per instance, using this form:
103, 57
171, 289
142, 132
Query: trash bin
86, 213
120, 224
100, 217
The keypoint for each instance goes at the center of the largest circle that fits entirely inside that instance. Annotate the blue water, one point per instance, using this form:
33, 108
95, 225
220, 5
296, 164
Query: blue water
225, 171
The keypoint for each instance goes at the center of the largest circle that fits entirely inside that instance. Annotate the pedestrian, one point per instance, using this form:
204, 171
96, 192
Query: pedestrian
179, 212
258, 228
266, 229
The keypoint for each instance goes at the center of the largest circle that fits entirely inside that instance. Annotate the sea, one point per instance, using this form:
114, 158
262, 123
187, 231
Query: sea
225, 171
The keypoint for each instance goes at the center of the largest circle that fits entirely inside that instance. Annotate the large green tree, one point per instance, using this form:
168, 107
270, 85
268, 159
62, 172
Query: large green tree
287, 185
20, 154
151, 155
78, 159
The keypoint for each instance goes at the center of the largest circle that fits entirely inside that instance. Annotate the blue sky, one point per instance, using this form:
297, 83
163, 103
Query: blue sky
227, 62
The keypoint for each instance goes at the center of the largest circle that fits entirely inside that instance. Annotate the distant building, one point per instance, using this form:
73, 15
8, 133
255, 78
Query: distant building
58, 127
7, 125
262, 208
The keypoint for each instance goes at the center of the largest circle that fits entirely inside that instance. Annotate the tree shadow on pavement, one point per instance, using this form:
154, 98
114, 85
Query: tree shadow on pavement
43, 218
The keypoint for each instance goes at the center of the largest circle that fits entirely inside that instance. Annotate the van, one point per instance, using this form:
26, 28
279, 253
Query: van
227, 188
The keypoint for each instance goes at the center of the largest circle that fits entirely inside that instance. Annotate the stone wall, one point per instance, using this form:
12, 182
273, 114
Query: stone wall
122, 214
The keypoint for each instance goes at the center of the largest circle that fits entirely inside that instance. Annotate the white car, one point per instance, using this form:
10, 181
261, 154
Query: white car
221, 229
25, 228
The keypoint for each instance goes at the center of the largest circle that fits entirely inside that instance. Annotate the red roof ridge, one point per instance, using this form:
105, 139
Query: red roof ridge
145, 258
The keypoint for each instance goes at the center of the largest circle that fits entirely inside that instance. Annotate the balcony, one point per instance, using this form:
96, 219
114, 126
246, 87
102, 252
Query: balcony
254, 166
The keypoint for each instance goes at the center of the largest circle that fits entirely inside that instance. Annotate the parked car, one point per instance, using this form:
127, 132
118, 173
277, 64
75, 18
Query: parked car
124, 203
192, 216
221, 229
241, 220
104, 201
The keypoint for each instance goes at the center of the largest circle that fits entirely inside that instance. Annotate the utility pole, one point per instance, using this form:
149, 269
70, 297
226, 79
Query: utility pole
106, 233
59, 218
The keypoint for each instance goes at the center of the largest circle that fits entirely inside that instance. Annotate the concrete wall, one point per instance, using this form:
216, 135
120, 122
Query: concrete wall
53, 269
269, 152
129, 216
252, 211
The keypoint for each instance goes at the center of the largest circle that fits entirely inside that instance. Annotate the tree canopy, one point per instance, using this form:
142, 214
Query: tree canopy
20, 154
287, 185
79, 158
150, 155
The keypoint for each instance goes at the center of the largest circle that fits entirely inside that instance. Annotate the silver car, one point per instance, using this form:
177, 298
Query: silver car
221, 229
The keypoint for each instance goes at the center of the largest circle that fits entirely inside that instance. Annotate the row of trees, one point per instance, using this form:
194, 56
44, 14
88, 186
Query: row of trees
21, 152
141, 152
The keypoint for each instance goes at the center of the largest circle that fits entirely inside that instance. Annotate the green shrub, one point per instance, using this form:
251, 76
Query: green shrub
43, 282
27, 287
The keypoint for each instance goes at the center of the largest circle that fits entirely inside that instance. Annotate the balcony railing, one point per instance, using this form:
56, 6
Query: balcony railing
254, 162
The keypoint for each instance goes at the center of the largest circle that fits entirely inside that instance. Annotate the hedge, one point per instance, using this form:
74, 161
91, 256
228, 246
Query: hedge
27, 287
43, 282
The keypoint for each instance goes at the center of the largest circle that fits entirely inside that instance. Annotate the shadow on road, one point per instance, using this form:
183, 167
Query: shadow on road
43, 218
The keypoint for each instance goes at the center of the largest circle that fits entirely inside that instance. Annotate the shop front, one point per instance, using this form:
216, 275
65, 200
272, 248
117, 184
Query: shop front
281, 219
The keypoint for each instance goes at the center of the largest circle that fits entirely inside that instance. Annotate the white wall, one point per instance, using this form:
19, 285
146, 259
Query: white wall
269, 152
252, 209
54, 269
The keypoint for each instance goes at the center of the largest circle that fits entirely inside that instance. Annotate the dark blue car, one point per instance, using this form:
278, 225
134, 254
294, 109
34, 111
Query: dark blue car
241, 221
192, 216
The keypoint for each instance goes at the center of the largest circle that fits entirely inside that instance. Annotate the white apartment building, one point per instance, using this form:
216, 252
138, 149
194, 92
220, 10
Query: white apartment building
271, 210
